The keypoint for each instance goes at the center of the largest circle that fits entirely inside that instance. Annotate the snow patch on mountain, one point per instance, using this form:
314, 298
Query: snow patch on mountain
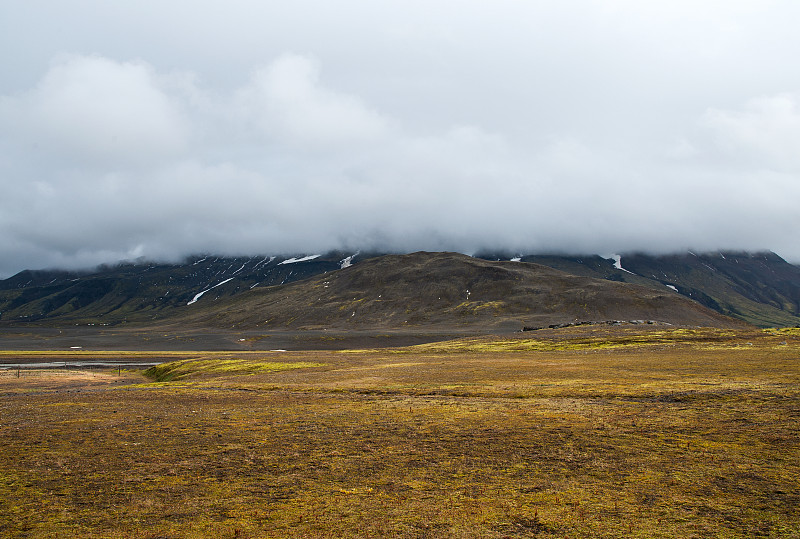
199, 295
295, 260
266, 261
618, 263
347, 262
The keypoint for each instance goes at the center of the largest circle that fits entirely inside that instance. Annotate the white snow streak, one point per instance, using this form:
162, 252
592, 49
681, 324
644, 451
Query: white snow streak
197, 296
672, 287
267, 260
618, 263
295, 260
347, 262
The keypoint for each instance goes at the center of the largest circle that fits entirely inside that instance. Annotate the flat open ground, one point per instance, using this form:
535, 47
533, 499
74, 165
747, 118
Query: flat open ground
180, 338
580, 432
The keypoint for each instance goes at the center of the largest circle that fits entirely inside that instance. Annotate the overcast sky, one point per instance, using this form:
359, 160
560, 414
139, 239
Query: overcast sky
166, 128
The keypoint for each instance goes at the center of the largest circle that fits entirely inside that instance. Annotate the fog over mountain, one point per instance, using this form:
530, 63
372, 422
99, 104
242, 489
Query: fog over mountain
160, 130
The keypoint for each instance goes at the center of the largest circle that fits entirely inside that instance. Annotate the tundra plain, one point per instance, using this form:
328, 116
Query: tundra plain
588, 431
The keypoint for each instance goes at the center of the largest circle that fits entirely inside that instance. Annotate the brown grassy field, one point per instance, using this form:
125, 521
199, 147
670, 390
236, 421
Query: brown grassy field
574, 433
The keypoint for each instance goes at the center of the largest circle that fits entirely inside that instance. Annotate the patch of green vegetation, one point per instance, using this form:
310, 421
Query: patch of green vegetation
178, 370
786, 332
351, 304
696, 337
475, 307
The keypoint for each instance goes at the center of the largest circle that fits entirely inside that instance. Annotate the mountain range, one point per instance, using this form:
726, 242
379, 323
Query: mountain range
489, 291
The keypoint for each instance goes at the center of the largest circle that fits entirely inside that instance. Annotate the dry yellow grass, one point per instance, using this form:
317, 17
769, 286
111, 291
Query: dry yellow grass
676, 435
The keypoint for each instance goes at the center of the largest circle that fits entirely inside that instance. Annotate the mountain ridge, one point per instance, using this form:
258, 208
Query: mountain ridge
451, 290
759, 288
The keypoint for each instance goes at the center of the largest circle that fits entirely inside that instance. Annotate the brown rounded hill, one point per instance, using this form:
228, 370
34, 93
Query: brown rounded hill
449, 291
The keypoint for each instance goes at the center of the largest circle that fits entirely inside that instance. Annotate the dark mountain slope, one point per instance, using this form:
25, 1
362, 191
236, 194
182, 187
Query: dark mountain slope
146, 291
760, 288
448, 290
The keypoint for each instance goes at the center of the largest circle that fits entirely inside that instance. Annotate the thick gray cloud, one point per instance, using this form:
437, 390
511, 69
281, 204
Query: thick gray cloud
163, 129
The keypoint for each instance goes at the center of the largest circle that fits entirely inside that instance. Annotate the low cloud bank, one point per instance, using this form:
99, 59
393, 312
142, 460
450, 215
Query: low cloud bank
106, 160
